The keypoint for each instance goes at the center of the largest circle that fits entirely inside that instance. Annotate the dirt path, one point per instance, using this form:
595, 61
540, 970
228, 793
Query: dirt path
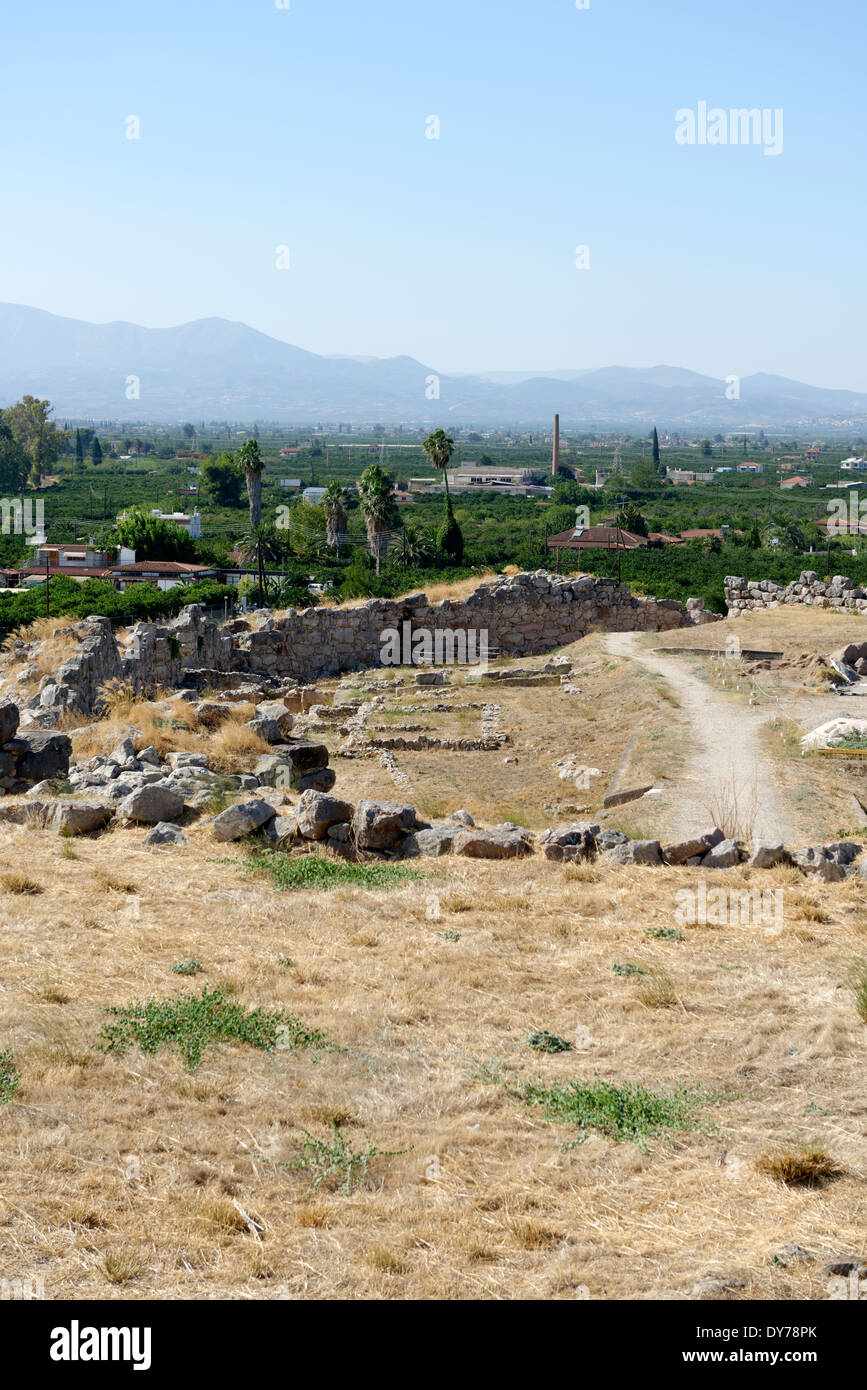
725, 764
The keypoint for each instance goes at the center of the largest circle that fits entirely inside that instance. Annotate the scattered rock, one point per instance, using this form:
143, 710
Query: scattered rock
78, 817
462, 816
381, 824
724, 855
502, 842
318, 812
322, 780
237, 821
276, 711
768, 853
636, 852
9, 719
690, 849
267, 729
151, 804
39, 755
164, 833
434, 840
570, 842
280, 829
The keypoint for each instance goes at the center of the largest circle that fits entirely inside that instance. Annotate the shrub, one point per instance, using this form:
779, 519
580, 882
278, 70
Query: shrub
627, 1112
192, 1023
10, 1076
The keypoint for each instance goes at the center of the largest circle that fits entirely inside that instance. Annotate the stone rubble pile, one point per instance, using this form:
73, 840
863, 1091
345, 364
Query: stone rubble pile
842, 593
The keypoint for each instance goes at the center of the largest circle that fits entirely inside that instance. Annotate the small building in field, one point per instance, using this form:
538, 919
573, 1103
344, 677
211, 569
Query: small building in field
593, 537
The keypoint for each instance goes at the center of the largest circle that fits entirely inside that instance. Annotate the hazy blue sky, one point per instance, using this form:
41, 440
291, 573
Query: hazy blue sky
305, 127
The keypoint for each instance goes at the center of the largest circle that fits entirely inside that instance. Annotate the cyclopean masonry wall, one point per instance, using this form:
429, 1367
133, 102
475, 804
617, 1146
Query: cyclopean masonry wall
523, 615
744, 595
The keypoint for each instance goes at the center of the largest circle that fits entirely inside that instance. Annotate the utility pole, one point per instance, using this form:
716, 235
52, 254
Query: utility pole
47, 583
555, 453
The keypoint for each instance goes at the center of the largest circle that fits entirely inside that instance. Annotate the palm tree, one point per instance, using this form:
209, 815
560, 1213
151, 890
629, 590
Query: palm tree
439, 448
335, 515
374, 491
250, 460
271, 542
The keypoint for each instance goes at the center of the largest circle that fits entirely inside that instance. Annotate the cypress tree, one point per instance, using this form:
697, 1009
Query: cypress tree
96, 451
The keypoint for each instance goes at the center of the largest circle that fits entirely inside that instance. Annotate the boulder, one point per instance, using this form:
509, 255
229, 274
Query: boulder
9, 718
277, 712
237, 821
78, 817
636, 852
212, 713
40, 755
176, 760
608, 839
723, 856
340, 834
150, 804
267, 729
381, 824
570, 842
767, 853
318, 812
843, 851
462, 817
280, 829
322, 780
434, 840
164, 833
124, 753
304, 755
502, 842
689, 849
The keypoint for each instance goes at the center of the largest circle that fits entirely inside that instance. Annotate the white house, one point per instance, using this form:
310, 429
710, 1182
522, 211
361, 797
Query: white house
314, 495
191, 522
853, 465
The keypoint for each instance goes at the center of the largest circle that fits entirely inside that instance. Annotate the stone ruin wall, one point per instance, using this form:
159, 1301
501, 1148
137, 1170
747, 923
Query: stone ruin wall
524, 615
842, 594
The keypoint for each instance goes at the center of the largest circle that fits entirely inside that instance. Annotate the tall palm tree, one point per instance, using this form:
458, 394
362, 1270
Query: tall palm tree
439, 448
251, 462
335, 515
377, 507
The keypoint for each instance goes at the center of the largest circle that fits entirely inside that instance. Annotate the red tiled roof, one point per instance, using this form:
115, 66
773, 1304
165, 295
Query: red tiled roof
160, 567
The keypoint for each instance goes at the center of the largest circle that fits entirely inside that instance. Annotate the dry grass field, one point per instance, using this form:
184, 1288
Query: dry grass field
421, 1148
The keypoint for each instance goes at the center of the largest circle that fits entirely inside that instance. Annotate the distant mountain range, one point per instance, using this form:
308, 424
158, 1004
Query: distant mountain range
214, 369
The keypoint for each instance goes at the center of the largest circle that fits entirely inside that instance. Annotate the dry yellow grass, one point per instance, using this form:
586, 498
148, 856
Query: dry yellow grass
125, 1176
121, 1172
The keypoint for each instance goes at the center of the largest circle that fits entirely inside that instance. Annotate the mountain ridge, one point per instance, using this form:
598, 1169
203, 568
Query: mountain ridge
222, 368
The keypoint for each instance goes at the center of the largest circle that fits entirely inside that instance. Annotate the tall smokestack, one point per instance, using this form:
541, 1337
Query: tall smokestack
555, 456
